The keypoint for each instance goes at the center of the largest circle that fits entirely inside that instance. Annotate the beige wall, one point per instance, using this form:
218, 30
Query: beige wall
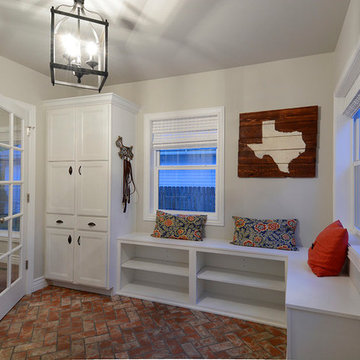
275, 85
24, 84
281, 84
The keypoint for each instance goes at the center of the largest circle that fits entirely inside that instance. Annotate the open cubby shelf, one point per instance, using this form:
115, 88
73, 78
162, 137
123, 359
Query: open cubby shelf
156, 291
230, 281
264, 281
256, 310
161, 266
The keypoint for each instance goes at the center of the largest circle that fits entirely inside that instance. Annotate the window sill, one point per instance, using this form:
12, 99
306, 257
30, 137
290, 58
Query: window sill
354, 237
354, 247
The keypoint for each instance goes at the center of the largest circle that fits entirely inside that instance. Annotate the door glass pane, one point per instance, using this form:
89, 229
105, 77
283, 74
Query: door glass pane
4, 201
16, 231
17, 165
18, 132
4, 164
4, 127
4, 238
15, 261
3, 273
16, 199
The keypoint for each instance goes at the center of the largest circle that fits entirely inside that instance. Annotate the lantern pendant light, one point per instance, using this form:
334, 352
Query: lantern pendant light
78, 47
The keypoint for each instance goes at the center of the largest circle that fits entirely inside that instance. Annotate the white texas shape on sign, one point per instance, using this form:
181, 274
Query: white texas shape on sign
283, 147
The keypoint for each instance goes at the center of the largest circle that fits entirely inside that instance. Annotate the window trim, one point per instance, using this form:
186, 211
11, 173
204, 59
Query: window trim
150, 183
355, 164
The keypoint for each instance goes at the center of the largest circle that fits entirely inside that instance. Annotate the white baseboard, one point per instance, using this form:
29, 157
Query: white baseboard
39, 283
81, 287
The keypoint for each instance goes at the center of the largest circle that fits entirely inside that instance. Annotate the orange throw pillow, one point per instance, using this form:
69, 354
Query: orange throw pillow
327, 254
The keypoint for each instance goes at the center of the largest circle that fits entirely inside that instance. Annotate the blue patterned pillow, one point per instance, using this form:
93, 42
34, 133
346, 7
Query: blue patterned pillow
271, 234
182, 227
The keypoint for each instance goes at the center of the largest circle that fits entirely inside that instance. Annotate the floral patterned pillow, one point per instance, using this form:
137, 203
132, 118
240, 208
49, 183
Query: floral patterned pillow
271, 234
182, 227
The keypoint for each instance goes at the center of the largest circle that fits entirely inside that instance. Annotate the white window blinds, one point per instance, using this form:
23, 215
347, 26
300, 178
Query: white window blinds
186, 132
353, 105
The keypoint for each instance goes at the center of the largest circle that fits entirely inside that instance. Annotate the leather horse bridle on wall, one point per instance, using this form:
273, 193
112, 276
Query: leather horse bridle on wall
127, 155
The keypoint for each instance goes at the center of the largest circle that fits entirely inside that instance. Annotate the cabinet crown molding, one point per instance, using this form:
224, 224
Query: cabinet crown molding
108, 98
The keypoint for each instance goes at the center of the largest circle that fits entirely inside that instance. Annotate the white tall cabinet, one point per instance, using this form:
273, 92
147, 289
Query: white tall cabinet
84, 214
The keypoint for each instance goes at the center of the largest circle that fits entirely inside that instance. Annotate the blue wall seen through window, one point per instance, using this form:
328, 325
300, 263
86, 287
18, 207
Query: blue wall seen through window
187, 189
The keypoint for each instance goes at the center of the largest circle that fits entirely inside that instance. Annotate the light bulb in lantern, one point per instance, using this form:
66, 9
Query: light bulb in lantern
92, 50
72, 49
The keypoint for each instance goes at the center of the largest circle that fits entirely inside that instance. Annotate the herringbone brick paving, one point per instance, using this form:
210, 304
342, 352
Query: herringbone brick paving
59, 323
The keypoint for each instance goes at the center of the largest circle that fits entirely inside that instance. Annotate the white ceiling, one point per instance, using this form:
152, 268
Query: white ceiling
158, 38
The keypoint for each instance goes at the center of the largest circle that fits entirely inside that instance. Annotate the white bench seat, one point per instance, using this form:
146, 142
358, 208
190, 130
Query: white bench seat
207, 243
323, 314
275, 287
211, 275
305, 291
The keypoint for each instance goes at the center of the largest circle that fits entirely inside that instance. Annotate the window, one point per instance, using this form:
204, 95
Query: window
356, 164
184, 163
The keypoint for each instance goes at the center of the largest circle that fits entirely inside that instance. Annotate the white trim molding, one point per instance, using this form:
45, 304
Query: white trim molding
346, 103
39, 283
108, 98
350, 74
150, 208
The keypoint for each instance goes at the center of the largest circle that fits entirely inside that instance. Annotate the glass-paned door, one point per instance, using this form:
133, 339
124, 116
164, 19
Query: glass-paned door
12, 151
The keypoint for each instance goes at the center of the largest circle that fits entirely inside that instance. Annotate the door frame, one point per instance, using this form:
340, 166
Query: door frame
29, 111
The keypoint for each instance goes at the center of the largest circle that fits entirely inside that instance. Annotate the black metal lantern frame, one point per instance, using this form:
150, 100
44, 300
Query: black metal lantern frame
77, 68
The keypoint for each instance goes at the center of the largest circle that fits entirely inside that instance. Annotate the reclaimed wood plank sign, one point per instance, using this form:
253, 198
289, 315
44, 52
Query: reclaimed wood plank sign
278, 143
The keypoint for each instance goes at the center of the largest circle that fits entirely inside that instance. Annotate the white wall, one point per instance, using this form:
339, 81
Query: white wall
275, 85
24, 84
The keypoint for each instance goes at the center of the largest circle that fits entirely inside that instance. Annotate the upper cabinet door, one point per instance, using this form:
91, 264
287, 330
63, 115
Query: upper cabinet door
92, 188
92, 132
60, 195
61, 126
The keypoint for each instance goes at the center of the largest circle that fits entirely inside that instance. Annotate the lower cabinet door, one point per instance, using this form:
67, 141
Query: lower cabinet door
91, 259
59, 258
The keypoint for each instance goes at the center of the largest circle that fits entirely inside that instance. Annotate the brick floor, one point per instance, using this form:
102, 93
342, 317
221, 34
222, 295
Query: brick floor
59, 323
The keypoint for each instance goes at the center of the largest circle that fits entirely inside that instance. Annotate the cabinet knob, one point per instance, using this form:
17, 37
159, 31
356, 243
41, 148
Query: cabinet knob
78, 241
91, 224
59, 221
70, 170
80, 170
69, 239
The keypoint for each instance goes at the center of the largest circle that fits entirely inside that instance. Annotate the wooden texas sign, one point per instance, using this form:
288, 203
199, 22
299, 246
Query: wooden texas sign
278, 143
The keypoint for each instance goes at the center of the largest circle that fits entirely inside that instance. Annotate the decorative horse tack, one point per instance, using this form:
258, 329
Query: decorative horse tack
125, 151
127, 155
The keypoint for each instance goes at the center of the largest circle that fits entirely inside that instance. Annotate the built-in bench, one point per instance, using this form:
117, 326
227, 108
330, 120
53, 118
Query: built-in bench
274, 287
323, 314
